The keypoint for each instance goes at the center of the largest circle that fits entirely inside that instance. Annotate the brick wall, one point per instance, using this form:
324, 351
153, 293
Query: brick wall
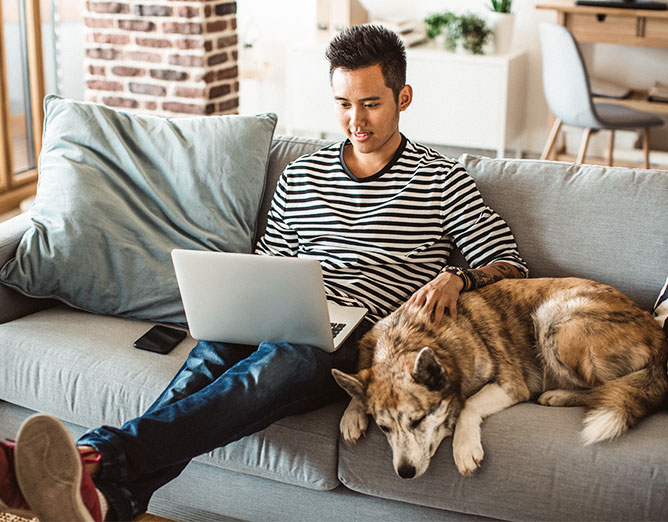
166, 57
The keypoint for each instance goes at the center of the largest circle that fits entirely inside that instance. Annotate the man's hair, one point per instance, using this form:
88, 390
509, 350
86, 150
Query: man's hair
367, 45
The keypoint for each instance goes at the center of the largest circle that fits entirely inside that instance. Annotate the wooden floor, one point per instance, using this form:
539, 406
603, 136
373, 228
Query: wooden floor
570, 158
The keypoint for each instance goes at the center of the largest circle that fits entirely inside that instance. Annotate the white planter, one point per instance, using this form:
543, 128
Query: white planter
502, 24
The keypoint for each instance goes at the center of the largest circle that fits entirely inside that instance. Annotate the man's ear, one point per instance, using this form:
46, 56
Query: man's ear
352, 384
405, 97
428, 371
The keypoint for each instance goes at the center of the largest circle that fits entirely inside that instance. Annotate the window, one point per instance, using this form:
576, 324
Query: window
21, 95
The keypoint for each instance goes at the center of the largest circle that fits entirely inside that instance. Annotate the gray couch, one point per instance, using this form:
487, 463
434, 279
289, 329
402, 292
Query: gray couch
608, 224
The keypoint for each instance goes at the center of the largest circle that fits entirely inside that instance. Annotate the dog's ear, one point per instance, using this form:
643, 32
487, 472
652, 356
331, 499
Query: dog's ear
427, 370
352, 384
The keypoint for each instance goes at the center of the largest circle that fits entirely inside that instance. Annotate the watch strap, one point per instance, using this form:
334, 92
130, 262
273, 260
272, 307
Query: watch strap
462, 274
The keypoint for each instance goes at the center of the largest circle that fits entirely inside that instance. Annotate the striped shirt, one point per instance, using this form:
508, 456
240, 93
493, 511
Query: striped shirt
381, 238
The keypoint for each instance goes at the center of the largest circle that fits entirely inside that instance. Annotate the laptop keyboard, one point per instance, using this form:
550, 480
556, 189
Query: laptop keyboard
336, 328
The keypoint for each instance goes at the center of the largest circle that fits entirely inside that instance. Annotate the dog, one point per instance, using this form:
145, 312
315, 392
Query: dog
566, 342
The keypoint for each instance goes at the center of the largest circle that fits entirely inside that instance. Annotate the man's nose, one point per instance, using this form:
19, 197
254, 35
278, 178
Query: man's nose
357, 117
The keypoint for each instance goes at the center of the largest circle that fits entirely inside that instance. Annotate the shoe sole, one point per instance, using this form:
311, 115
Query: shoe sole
48, 470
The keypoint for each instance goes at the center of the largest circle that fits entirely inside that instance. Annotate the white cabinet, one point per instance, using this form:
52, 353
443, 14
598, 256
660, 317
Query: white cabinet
459, 100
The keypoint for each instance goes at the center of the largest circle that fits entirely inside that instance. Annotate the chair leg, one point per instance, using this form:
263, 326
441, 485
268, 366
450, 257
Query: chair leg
645, 147
551, 139
611, 146
583, 146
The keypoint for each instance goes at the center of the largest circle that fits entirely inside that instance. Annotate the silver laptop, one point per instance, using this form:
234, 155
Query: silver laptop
249, 299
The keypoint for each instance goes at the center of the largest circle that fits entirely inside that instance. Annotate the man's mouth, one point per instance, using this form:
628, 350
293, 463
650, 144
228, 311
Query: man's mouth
361, 136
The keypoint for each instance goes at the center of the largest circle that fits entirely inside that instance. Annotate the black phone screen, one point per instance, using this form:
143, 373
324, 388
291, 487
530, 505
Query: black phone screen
160, 339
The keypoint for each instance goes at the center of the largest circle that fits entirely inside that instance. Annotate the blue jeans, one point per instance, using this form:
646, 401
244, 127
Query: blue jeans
222, 393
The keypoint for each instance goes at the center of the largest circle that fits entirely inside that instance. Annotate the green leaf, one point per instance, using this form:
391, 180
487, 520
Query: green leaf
501, 6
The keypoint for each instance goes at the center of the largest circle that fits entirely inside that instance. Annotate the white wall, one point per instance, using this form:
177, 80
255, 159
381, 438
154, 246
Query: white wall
71, 56
271, 27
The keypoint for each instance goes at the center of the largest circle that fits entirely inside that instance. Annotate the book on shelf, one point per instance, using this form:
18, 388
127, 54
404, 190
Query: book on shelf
411, 32
398, 26
606, 89
658, 93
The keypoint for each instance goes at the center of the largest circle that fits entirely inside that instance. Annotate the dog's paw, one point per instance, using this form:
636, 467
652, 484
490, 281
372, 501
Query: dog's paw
561, 398
468, 454
550, 398
354, 423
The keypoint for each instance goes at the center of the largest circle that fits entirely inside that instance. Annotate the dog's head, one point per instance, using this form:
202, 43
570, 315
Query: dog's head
413, 400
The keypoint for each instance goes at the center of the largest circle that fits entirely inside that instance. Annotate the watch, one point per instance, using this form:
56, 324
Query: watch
463, 275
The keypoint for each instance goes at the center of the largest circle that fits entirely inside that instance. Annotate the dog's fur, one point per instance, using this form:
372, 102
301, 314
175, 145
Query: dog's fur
565, 342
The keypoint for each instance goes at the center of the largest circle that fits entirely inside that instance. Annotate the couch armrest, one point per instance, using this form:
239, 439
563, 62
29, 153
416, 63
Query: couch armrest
12, 304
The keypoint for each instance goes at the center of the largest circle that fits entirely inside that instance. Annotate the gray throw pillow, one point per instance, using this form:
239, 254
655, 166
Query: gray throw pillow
117, 192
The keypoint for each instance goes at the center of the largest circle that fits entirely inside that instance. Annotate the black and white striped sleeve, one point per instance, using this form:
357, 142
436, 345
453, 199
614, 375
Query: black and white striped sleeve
481, 235
279, 238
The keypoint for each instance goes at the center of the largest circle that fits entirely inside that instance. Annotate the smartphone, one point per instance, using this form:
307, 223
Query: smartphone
160, 339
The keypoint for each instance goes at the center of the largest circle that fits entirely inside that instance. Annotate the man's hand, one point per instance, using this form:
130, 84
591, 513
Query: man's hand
443, 291
440, 293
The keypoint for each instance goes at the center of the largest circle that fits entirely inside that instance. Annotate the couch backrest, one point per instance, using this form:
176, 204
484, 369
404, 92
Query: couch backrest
602, 223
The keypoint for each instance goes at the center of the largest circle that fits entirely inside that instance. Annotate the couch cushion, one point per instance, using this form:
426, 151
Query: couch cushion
535, 468
117, 192
601, 223
15, 304
82, 368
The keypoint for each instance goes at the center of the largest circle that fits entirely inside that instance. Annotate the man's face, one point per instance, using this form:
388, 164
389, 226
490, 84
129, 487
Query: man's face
367, 109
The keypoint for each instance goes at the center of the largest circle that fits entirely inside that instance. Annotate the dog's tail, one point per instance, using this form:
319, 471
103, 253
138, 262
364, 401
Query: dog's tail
620, 404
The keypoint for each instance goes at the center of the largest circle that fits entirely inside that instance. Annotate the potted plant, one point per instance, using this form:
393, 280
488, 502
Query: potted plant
468, 32
436, 22
473, 33
501, 6
502, 21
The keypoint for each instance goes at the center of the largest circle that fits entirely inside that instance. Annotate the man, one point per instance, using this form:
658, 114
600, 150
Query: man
380, 213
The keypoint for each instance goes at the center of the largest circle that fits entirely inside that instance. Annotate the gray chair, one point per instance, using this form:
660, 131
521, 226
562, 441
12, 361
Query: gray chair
568, 94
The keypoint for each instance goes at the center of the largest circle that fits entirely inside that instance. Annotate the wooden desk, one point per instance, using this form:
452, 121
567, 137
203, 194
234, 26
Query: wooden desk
638, 101
643, 27
637, 27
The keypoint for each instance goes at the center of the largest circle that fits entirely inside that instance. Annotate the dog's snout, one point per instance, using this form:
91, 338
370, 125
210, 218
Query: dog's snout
406, 471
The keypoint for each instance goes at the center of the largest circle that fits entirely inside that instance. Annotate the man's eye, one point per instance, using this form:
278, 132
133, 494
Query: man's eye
370, 105
417, 422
